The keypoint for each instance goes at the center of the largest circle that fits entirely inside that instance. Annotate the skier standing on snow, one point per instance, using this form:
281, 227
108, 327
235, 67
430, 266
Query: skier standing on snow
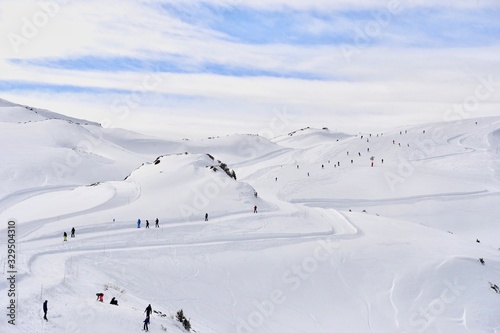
45, 310
206, 216
146, 323
138, 223
148, 311
73, 232
65, 236
255, 209
157, 223
147, 224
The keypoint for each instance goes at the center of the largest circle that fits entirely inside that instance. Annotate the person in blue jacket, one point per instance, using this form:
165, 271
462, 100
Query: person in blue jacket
138, 223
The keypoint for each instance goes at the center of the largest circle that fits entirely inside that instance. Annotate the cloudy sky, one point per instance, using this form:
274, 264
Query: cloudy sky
190, 68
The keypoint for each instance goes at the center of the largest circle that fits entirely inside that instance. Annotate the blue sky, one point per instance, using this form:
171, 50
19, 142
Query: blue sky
328, 61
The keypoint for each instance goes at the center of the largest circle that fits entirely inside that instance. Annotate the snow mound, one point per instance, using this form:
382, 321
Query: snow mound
308, 137
15, 113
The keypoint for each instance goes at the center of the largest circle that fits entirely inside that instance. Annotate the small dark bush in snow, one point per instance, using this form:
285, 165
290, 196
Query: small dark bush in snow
183, 320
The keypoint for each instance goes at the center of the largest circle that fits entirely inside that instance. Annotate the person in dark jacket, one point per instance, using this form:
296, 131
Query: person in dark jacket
45, 308
157, 223
113, 301
147, 224
146, 323
148, 311
73, 232
65, 236
206, 216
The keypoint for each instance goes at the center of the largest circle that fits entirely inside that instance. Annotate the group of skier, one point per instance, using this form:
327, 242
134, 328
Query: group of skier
114, 301
157, 223
146, 321
65, 235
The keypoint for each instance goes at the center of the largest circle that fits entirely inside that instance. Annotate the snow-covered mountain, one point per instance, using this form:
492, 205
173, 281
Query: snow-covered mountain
372, 232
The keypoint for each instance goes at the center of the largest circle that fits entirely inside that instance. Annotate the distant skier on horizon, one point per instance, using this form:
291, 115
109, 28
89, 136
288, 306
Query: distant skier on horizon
65, 236
138, 223
157, 223
255, 209
147, 224
206, 216
73, 232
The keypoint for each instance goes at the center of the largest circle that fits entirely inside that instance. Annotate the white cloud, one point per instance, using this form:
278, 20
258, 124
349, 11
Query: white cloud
376, 80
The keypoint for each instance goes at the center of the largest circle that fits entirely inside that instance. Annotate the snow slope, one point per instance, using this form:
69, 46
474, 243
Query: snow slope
335, 246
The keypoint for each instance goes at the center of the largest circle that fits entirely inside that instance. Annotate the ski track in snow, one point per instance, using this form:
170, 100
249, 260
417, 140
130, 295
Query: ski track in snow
406, 200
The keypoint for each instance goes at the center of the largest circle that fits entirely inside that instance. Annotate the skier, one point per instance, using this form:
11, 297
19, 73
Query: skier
65, 236
101, 297
206, 216
255, 209
147, 224
45, 310
73, 232
146, 323
322, 166
157, 223
148, 311
138, 223
113, 301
